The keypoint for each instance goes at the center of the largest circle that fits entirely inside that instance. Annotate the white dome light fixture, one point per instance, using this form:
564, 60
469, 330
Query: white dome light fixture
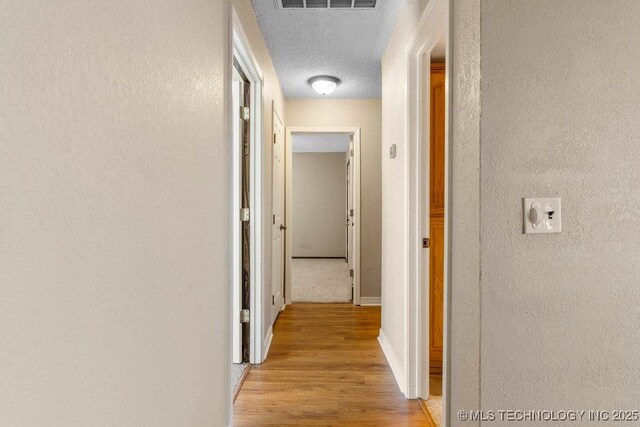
324, 85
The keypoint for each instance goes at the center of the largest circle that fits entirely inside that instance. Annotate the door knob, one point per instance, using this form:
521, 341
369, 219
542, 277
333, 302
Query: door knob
283, 227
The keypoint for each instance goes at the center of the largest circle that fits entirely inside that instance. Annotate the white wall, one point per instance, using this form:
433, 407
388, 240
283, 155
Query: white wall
272, 98
114, 224
557, 320
366, 114
394, 198
319, 205
462, 360
463, 321
560, 313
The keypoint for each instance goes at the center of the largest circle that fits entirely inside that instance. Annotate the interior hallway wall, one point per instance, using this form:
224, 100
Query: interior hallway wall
463, 364
560, 312
114, 248
272, 99
365, 113
559, 117
394, 223
463, 360
319, 205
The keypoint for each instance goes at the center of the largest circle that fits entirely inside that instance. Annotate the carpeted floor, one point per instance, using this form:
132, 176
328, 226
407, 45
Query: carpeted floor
320, 280
237, 370
434, 403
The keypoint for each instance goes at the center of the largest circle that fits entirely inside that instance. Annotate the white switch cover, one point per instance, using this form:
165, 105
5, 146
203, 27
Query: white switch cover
541, 215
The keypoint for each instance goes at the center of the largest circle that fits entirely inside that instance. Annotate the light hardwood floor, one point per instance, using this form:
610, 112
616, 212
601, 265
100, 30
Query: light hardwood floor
325, 368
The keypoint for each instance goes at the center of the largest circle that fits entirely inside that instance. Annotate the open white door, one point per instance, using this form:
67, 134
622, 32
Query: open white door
278, 219
351, 229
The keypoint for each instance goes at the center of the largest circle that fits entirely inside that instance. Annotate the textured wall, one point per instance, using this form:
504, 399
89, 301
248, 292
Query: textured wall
319, 205
464, 205
367, 115
114, 253
560, 313
272, 98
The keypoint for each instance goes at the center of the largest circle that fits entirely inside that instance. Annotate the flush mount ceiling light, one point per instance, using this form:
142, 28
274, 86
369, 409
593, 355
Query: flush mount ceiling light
324, 85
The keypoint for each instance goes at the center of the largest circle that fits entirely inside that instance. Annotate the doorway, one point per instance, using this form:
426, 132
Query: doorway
246, 217
321, 224
241, 224
429, 207
240, 179
436, 218
323, 211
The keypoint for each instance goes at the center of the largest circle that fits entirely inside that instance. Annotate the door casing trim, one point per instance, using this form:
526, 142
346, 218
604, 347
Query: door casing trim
241, 51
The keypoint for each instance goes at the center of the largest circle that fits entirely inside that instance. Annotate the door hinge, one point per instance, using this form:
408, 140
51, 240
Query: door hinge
245, 113
351, 272
351, 212
351, 153
275, 136
426, 243
274, 220
245, 214
273, 300
245, 315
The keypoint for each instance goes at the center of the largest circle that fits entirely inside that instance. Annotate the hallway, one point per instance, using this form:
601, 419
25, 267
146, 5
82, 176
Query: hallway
325, 367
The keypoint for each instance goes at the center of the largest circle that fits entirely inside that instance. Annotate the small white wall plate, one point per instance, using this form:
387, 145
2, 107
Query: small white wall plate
541, 215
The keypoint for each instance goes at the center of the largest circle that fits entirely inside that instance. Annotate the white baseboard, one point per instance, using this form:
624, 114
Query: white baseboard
267, 343
370, 301
391, 359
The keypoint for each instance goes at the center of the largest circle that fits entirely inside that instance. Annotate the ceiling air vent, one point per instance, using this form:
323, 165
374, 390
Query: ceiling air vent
328, 4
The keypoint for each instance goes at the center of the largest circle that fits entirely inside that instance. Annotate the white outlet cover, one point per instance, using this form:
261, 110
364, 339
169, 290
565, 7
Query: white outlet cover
549, 211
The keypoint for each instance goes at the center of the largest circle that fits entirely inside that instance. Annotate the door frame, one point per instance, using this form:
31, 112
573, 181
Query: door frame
432, 25
240, 336
355, 131
241, 51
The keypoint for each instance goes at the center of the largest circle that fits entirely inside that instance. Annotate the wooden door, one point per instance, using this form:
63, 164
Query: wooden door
436, 221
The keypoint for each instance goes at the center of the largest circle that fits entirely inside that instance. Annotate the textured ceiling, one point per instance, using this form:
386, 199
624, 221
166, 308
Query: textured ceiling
347, 44
320, 142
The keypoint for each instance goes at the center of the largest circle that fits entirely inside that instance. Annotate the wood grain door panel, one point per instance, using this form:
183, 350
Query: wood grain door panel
436, 218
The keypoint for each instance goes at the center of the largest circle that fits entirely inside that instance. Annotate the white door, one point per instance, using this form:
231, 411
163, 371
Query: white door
348, 214
351, 229
278, 218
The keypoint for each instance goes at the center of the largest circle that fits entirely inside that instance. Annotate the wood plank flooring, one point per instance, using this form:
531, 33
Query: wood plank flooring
325, 368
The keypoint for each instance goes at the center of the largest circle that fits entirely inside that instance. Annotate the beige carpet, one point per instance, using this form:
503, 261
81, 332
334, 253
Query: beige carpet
434, 403
320, 280
237, 371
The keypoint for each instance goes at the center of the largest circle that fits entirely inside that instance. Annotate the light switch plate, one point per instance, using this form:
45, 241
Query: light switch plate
546, 211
